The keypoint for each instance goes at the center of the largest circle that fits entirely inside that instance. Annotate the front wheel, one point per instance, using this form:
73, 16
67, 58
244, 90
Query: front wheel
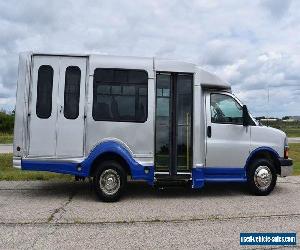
109, 181
261, 177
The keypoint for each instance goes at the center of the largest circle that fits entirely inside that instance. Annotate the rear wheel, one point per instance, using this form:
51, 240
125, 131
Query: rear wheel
261, 176
109, 181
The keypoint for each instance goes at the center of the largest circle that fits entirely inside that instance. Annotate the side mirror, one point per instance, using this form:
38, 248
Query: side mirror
246, 117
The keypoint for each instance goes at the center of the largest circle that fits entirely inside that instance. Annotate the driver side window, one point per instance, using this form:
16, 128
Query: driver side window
226, 110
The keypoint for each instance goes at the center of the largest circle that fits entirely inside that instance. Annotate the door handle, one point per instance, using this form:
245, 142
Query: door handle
208, 131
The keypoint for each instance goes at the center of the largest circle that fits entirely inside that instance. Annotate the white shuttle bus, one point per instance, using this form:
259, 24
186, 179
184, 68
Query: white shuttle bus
114, 118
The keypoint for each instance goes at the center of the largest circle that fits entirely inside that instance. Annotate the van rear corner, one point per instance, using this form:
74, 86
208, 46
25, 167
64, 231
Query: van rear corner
21, 109
18, 151
17, 162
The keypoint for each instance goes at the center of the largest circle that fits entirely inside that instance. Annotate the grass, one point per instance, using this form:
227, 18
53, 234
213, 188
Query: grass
294, 153
8, 173
292, 129
6, 138
292, 132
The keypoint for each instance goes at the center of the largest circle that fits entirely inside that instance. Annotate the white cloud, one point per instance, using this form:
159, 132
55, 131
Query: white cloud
277, 8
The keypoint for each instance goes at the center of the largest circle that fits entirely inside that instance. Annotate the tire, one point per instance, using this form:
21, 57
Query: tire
109, 181
261, 177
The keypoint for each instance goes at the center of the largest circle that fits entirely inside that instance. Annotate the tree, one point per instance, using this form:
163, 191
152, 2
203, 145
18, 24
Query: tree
6, 122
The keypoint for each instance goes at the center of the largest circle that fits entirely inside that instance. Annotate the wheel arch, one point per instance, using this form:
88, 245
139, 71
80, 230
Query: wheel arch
113, 150
262, 153
108, 150
109, 156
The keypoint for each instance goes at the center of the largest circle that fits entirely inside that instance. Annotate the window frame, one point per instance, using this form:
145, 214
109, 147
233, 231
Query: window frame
228, 95
37, 93
121, 85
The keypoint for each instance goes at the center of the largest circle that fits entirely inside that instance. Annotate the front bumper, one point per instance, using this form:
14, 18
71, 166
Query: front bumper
286, 167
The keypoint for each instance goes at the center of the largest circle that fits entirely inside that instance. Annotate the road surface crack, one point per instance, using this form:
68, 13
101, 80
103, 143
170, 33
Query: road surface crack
157, 220
60, 210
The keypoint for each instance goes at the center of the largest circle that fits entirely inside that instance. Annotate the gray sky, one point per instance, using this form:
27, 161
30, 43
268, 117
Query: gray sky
251, 44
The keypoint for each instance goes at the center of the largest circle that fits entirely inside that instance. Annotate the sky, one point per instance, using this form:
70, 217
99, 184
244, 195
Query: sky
254, 45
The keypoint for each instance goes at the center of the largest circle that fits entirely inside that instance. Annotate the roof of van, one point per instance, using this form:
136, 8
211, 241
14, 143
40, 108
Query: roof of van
205, 78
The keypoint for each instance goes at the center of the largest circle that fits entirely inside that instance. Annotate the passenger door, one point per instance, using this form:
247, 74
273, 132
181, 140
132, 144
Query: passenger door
56, 124
228, 141
71, 99
173, 123
42, 107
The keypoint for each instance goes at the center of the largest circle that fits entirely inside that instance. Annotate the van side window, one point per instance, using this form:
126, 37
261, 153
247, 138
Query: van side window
44, 92
120, 95
72, 92
224, 109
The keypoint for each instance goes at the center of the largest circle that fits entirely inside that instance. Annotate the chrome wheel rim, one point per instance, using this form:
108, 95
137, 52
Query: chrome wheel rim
263, 177
109, 182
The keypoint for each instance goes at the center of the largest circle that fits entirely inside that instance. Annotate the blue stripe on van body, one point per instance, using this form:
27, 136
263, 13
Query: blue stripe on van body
212, 174
51, 166
136, 169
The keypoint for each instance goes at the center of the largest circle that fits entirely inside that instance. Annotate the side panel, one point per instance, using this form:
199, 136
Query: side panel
267, 137
42, 133
138, 137
70, 127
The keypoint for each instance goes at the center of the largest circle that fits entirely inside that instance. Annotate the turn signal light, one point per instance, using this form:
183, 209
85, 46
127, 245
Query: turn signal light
286, 152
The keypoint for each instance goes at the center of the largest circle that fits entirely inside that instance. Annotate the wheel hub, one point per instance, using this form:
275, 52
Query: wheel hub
263, 177
109, 182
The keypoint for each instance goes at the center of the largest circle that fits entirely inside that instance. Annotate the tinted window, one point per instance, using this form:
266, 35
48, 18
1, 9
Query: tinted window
225, 109
120, 95
163, 121
44, 92
72, 92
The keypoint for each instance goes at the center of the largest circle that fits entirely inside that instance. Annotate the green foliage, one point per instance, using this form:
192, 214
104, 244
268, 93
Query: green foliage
6, 123
292, 129
6, 138
294, 153
7, 172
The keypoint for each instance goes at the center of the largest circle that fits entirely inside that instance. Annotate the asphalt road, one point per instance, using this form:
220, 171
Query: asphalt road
6, 148
294, 140
56, 215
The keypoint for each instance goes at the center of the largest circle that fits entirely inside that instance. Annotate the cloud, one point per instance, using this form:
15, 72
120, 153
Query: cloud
220, 52
277, 8
253, 45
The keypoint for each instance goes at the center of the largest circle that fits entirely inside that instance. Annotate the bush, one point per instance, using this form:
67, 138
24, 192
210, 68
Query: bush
6, 122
